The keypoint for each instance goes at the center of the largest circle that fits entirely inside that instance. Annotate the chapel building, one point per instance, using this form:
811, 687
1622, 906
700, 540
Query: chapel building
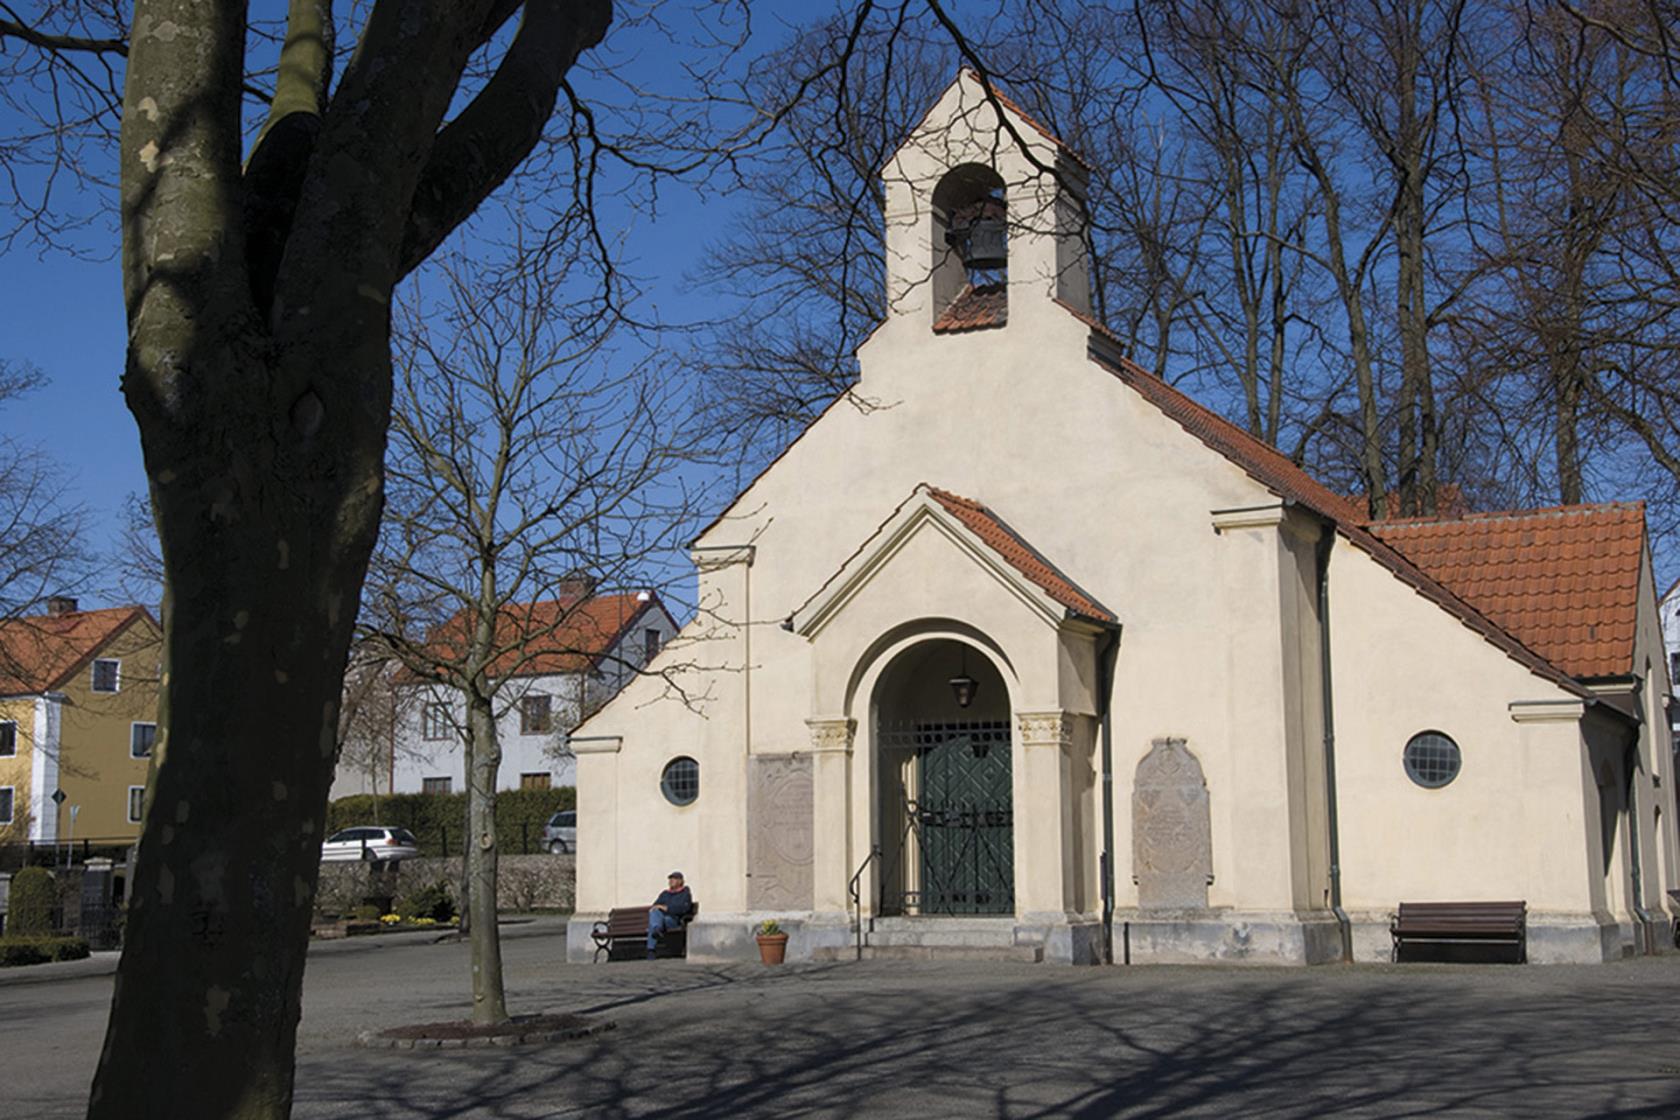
1018, 651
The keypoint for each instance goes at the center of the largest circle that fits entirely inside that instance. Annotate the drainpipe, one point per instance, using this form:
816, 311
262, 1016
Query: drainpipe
1631, 765
1106, 658
1326, 542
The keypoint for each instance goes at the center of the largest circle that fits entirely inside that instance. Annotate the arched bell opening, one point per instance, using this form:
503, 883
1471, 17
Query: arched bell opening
945, 803
971, 236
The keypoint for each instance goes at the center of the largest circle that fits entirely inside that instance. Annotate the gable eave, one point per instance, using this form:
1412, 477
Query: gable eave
915, 514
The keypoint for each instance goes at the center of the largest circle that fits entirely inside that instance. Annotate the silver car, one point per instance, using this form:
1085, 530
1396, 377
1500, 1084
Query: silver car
560, 833
373, 843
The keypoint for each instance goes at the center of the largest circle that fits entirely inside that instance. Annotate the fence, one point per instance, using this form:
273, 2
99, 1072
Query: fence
18, 854
525, 838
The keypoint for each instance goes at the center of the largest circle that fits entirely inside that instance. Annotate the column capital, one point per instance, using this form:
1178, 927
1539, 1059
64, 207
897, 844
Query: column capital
831, 734
1046, 729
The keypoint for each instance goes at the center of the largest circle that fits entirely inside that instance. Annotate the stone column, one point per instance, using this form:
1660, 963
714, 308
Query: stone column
1041, 814
831, 812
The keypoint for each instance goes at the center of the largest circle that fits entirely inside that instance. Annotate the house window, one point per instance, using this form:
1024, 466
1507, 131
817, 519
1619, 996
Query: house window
680, 782
434, 722
141, 736
535, 717
136, 803
8, 738
106, 674
535, 781
6, 804
650, 640
1674, 669
1432, 759
434, 785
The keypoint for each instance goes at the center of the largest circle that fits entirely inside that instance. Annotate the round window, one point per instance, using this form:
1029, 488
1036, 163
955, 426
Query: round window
680, 783
1432, 759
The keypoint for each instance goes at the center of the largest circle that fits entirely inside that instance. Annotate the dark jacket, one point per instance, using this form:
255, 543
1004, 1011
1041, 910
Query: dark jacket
678, 904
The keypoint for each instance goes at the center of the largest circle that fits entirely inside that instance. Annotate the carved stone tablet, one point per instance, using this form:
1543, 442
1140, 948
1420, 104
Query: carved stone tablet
1172, 834
779, 832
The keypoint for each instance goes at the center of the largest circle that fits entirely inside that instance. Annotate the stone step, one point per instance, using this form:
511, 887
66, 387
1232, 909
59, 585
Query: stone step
1004, 922
959, 938
1026, 954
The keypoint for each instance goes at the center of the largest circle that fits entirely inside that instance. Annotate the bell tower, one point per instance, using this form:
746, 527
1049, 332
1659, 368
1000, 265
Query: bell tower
985, 213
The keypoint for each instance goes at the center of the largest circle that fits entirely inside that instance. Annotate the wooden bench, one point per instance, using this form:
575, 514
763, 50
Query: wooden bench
623, 936
1462, 923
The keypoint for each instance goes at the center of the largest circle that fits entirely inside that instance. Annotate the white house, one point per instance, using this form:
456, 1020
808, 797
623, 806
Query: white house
584, 648
1036, 656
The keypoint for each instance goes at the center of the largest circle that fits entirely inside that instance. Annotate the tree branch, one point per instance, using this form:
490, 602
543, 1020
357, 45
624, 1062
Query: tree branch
496, 131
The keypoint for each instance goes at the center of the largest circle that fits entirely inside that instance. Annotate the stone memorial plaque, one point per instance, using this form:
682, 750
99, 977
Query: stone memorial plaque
1172, 834
779, 832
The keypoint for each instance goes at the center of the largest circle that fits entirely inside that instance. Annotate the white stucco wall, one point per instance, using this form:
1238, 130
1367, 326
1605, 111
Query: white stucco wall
1219, 645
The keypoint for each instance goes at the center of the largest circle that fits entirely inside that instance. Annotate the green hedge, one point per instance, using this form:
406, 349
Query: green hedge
439, 819
30, 905
40, 950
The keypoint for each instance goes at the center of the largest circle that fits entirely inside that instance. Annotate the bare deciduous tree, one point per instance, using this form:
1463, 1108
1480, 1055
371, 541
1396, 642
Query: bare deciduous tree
523, 454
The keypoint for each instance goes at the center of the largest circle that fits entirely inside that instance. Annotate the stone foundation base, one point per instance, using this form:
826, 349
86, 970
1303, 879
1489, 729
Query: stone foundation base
1224, 937
731, 937
1553, 938
716, 938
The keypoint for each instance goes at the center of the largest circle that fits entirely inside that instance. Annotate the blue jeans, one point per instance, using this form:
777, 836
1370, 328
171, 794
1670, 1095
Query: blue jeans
659, 922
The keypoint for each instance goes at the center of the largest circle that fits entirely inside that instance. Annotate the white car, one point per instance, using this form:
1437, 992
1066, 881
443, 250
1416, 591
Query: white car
560, 833
373, 843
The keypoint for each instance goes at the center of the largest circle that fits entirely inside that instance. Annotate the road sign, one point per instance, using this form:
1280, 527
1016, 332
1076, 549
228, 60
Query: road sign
58, 797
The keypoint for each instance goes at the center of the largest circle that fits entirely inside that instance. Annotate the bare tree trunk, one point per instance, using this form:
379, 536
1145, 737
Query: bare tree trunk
257, 627
489, 1002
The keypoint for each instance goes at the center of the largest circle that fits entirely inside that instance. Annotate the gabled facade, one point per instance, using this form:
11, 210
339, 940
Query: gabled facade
78, 715
1034, 655
581, 651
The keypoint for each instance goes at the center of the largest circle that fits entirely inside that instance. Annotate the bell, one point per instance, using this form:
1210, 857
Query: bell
980, 235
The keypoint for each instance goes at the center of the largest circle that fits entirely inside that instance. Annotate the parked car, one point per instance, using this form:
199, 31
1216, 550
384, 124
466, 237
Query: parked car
560, 833
373, 843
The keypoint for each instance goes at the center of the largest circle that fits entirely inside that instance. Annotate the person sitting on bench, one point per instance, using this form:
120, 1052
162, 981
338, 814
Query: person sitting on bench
668, 910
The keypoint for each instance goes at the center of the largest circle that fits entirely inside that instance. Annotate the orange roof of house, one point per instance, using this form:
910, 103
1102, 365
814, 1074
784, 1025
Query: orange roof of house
1020, 555
1565, 580
1275, 471
39, 653
974, 307
566, 635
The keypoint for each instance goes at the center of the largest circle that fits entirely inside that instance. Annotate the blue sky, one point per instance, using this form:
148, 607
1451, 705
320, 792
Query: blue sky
63, 314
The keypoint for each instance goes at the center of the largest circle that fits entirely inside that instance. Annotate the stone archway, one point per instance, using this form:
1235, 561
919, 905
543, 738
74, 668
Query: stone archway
944, 799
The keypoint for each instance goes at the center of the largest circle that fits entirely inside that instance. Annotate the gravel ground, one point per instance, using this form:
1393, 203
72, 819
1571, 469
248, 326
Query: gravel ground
940, 1039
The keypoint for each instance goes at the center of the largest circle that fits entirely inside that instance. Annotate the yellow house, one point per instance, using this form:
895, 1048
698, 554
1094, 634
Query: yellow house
78, 714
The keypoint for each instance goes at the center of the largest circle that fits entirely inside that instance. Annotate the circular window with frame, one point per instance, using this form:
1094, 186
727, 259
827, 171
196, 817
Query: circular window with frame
680, 781
1432, 759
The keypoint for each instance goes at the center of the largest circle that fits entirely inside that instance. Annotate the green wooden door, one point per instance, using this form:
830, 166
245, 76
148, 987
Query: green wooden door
965, 819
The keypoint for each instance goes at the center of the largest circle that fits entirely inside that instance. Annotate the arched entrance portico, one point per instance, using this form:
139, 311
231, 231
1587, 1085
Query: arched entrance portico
944, 800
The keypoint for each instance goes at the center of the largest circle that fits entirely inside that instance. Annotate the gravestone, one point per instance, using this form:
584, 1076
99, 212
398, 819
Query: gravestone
1172, 834
779, 845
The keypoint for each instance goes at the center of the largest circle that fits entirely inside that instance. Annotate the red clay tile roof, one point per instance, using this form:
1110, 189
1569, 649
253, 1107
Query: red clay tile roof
1565, 581
1273, 470
567, 635
1020, 555
975, 308
39, 653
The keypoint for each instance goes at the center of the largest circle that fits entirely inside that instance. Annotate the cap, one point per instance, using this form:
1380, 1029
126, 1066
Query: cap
675, 875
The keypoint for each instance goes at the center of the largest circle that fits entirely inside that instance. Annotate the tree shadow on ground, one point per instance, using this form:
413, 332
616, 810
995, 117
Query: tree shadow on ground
1024, 1041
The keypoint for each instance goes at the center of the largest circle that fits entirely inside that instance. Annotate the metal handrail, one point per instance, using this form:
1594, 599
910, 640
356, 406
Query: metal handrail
855, 890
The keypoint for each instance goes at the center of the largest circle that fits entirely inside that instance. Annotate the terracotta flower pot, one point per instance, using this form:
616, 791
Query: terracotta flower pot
772, 947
